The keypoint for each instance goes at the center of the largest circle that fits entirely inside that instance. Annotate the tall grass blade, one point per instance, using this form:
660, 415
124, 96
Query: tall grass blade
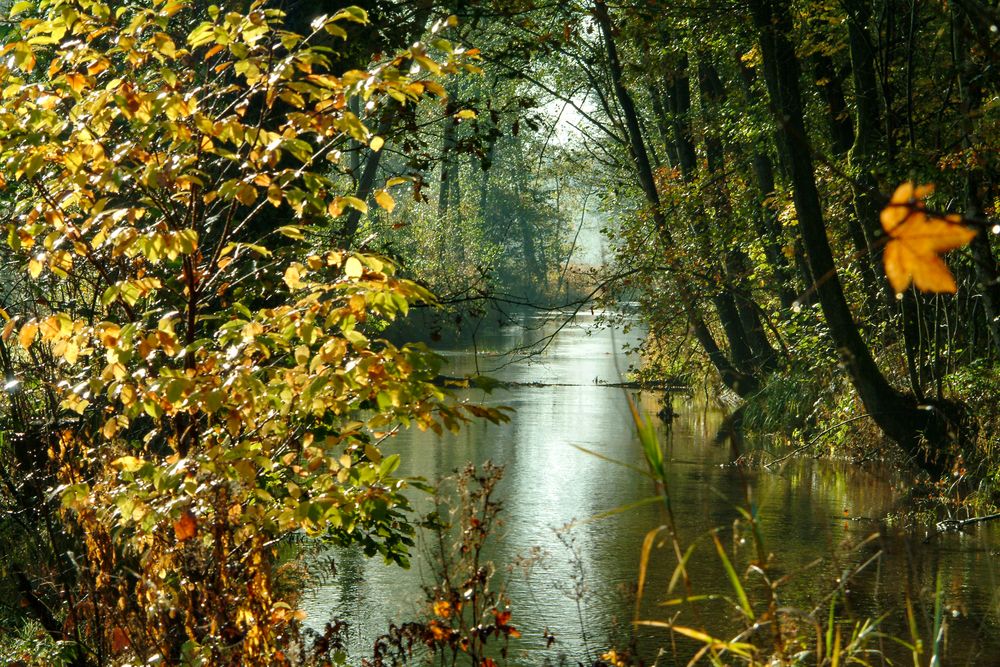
741, 649
911, 620
650, 444
938, 622
681, 569
734, 579
831, 624
628, 466
647, 547
600, 516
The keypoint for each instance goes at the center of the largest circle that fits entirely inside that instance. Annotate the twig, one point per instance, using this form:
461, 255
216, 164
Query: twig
815, 440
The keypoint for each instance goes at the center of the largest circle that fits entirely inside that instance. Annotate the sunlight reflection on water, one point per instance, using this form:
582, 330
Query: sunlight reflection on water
549, 482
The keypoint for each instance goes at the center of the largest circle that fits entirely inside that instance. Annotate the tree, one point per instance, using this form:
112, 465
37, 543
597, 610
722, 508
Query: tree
897, 415
200, 385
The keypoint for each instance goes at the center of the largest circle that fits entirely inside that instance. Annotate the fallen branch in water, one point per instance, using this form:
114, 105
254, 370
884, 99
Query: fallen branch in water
947, 525
485, 382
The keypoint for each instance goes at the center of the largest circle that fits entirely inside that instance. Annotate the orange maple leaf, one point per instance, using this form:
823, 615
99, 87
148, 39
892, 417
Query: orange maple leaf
916, 240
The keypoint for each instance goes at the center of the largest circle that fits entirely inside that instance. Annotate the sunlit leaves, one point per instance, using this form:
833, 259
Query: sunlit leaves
211, 350
385, 200
916, 240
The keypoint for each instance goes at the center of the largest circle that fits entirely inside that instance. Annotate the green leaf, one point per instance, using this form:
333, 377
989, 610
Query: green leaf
109, 295
388, 465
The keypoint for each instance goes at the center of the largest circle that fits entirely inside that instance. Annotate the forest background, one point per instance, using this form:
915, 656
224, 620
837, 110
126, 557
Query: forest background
223, 221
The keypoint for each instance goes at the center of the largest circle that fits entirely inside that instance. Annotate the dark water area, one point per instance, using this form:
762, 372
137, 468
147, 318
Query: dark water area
807, 510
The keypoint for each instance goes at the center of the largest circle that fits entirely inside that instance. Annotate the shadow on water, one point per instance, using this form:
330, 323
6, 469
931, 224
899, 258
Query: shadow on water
807, 509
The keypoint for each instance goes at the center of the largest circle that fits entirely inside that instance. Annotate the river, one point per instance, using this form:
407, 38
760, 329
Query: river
807, 510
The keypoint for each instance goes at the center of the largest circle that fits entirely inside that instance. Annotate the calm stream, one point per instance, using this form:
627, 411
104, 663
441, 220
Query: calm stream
808, 509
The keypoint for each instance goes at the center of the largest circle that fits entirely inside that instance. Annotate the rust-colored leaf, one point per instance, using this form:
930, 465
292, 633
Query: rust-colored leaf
186, 526
119, 640
916, 240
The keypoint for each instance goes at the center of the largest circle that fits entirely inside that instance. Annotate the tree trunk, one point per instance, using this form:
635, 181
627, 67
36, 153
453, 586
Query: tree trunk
862, 159
736, 380
766, 219
736, 263
663, 127
447, 159
830, 84
864, 228
530, 254
971, 97
679, 107
366, 183
897, 415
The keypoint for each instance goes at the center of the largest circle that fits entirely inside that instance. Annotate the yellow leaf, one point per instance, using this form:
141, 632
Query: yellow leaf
353, 268
376, 144
71, 353
246, 194
293, 276
126, 463
355, 203
27, 335
435, 88
274, 194
466, 114
291, 231
917, 238
213, 51
385, 200
98, 66
77, 82
427, 63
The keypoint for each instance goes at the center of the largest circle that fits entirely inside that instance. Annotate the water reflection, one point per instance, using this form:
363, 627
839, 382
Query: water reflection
806, 510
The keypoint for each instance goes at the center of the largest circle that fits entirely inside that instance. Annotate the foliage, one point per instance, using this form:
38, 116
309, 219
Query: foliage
467, 610
210, 376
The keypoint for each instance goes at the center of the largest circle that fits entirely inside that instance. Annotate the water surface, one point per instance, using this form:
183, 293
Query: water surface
807, 510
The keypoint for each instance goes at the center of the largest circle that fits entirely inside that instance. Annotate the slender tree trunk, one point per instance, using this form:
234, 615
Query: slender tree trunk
447, 156
971, 96
736, 263
530, 253
663, 126
679, 107
731, 376
366, 182
864, 227
863, 157
830, 84
897, 415
766, 219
